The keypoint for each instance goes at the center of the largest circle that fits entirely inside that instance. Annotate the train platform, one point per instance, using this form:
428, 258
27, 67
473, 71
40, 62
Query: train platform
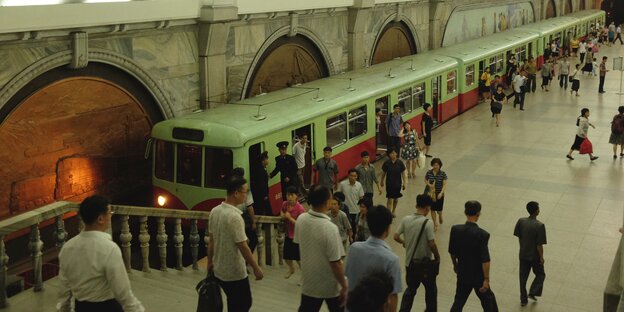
524, 160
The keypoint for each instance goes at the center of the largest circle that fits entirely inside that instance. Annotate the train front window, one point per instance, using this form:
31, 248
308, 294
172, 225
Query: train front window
163, 160
219, 163
189, 164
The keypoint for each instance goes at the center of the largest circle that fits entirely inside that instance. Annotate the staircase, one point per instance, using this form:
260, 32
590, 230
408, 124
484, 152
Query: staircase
164, 289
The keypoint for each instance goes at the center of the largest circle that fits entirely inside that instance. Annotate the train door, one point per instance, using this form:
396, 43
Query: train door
381, 105
435, 98
297, 135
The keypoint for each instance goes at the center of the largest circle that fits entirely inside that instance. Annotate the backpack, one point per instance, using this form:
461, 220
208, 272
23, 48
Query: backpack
617, 125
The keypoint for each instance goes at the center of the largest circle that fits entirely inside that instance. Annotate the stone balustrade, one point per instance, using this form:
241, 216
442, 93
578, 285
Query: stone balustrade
266, 225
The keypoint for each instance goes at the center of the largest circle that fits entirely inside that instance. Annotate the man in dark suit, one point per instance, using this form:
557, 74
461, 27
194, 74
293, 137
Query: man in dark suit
260, 186
286, 165
471, 260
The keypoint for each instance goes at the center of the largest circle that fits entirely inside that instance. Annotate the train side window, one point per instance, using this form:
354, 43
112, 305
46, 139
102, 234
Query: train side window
499, 63
492, 65
357, 122
470, 75
382, 104
218, 164
189, 164
336, 130
418, 96
405, 100
451, 81
163, 160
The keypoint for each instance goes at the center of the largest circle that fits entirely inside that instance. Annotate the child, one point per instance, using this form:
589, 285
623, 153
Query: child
340, 197
340, 219
291, 210
362, 232
594, 66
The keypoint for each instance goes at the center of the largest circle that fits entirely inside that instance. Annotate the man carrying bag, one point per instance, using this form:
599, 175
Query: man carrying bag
420, 267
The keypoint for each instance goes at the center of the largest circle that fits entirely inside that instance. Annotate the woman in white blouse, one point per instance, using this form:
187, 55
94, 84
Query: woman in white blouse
581, 134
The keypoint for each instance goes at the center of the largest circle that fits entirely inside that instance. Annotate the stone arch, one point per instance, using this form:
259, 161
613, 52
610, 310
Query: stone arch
285, 59
396, 39
74, 132
551, 9
568, 7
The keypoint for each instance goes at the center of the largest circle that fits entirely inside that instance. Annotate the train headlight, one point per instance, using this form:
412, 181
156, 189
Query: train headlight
162, 200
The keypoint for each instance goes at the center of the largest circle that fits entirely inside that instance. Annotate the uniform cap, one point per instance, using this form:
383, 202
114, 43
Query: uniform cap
282, 144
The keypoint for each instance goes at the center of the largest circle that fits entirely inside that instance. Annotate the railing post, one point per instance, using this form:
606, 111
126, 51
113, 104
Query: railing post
4, 260
194, 242
260, 246
126, 242
280, 242
144, 238
35, 245
178, 238
162, 237
59, 232
207, 240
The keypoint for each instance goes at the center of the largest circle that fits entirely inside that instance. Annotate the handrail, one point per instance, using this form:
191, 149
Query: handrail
267, 226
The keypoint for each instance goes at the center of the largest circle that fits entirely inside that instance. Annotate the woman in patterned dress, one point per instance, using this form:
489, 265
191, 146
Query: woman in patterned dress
409, 151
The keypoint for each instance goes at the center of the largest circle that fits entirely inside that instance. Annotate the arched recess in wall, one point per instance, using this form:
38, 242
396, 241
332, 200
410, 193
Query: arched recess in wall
581, 5
287, 61
394, 40
73, 133
551, 9
568, 7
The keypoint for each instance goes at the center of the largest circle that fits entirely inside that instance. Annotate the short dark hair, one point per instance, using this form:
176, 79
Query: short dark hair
396, 106
234, 183
423, 201
92, 207
604, 58
327, 149
426, 106
378, 219
291, 190
371, 293
532, 207
621, 109
391, 150
436, 161
472, 208
367, 202
352, 170
364, 154
238, 171
339, 196
377, 110
319, 195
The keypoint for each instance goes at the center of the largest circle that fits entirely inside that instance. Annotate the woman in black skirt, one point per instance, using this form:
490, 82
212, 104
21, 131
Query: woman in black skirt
436, 181
291, 210
496, 106
394, 177
576, 83
583, 124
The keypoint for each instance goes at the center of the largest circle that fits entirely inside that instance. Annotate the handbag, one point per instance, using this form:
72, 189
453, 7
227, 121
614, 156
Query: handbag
419, 269
209, 294
586, 147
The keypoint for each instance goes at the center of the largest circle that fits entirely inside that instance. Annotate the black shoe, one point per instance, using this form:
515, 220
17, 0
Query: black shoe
602, 92
614, 156
523, 303
532, 297
593, 158
428, 156
569, 157
522, 109
621, 154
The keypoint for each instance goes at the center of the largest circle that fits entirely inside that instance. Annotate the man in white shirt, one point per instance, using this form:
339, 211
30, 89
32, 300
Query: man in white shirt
321, 256
227, 247
299, 152
519, 89
92, 270
353, 191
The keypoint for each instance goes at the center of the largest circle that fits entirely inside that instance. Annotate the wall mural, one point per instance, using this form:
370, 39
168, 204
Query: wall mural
464, 22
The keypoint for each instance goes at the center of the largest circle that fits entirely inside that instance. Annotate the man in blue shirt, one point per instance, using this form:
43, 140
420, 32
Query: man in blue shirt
374, 254
394, 123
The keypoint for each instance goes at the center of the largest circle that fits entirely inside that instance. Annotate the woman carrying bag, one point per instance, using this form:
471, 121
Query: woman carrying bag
581, 142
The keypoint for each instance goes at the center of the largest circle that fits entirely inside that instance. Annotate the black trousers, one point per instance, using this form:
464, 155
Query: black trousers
431, 294
601, 85
238, 295
310, 304
531, 83
293, 181
519, 98
582, 57
488, 300
394, 142
538, 283
563, 81
104, 306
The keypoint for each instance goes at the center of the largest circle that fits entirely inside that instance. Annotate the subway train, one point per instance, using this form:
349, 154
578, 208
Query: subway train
193, 154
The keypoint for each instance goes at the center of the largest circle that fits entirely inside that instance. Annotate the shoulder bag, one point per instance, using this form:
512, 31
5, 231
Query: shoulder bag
419, 269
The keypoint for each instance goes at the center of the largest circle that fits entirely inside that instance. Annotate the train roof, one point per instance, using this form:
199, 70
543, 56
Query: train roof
232, 125
551, 25
477, 49
585, 14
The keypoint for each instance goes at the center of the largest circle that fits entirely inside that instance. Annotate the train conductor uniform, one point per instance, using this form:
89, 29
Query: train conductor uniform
286, 165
